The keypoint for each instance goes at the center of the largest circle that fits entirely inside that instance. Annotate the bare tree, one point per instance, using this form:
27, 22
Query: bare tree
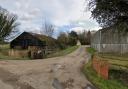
48, 29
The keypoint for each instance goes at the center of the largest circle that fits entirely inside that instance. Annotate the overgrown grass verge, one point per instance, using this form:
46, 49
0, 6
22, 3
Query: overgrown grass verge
99, 82
119, 66
5, 57
4, 48
90, 50
63, 52
118, 60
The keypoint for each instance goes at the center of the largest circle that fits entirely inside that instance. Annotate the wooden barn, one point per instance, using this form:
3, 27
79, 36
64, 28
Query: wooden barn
34, 45
26, 40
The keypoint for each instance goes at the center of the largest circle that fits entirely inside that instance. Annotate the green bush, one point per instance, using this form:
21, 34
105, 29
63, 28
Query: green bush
63, 52
90, 50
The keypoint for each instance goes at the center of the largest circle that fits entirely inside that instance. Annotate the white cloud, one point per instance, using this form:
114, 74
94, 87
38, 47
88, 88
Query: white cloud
59, 12
78, 29
96, 28
18, 4
34, 11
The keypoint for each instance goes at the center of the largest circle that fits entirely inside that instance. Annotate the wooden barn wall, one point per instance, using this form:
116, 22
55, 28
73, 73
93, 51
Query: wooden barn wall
108, 41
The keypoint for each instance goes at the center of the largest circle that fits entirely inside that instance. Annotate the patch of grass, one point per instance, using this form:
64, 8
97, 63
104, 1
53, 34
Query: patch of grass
63, 52
123, 57
120, 75
5, 57
113, 83
119, 66
118, 60
90, 50
99, 82
4, 48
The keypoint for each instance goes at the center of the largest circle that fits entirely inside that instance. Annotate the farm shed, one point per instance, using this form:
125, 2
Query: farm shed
37, 45
27, 39
110, 40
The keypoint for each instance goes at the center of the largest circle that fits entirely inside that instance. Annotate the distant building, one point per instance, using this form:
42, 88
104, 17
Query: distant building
110, 40
78, 43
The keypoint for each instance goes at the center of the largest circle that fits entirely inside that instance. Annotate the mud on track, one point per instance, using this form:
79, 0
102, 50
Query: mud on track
63, 72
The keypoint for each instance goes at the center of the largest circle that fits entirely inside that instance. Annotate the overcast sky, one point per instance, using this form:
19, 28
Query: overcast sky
64, 14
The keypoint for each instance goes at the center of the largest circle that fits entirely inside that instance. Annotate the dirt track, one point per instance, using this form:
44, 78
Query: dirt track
53, 73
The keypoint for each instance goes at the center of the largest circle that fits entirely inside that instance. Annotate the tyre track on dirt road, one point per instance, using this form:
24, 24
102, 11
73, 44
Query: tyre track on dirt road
12, 79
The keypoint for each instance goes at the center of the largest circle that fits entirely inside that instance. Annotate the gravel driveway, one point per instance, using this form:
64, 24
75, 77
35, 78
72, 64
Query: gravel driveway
54, 73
